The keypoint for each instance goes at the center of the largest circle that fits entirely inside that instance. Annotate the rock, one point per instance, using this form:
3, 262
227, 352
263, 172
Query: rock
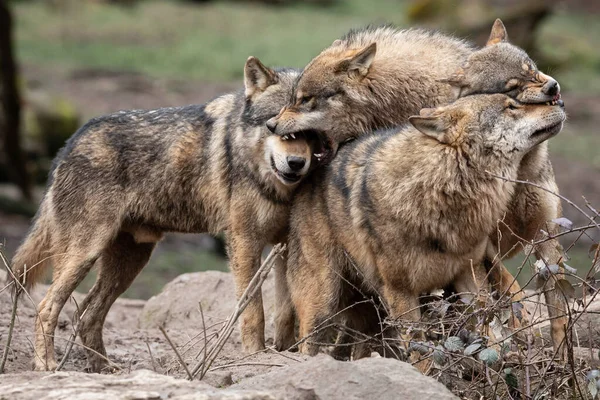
176, 307
322, 377
139, 385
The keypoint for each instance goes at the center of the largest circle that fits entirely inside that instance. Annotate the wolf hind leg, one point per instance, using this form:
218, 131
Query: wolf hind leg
71, 268
119, 265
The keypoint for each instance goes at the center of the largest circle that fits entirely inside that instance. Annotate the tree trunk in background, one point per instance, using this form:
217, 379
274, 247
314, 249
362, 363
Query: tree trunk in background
10, 106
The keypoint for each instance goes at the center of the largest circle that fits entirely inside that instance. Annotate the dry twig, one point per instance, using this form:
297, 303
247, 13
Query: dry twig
253, 287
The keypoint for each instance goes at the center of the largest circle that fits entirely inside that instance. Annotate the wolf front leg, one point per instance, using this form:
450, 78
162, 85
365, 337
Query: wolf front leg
549, 252
285, 317
534, 205
314, 284
245, 248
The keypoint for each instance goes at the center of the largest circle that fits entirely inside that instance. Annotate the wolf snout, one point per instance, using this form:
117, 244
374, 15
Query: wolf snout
272, 124
551, 88
296, 163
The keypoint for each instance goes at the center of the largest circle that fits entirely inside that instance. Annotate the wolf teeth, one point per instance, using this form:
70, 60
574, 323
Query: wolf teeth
285, 137
319, 155
293, 136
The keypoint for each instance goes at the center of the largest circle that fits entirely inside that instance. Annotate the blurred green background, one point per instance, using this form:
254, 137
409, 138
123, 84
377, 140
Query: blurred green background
82, 58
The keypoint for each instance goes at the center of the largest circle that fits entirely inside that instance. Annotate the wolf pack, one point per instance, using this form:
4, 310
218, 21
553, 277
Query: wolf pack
396, 163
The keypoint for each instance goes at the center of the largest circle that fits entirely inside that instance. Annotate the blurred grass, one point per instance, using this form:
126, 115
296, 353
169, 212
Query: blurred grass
580, 143
184, 40
570, 41
211, 41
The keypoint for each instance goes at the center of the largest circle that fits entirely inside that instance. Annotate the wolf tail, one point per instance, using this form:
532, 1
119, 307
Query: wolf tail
33, 256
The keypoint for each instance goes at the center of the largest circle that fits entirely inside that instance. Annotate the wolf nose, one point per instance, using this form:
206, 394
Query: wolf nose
296, 163
272, 124
551, 88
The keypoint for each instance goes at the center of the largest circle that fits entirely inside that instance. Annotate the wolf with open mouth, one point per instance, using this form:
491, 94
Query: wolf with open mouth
124, 179
376, 78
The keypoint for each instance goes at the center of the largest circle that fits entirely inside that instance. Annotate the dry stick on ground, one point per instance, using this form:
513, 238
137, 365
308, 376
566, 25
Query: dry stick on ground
203, 328
183, 364
13, 315
253, 287
11, 327
21, 289
262, 364
151, 357
76, 323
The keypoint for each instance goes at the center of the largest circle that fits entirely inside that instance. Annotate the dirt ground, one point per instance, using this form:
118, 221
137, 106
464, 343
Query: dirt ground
134, 342
148, 366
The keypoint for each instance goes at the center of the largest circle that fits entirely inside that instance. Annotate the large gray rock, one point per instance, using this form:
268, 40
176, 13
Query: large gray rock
319, 378
139, 385
322, 377
176, 307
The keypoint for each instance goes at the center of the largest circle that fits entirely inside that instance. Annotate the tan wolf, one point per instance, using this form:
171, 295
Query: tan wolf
377, 77
125, 178
406, 211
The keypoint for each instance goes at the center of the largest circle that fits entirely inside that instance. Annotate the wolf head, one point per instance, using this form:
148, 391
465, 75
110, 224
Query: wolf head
501, 67
491, 126
266, 91
332, 95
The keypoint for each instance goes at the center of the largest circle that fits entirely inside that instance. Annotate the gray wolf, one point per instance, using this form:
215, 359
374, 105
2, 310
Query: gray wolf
406, 211
375, 78
124, 179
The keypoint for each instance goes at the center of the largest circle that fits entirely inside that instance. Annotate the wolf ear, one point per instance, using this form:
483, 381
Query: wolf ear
431, 125
361, 61
257, 77
498, 33
426, 112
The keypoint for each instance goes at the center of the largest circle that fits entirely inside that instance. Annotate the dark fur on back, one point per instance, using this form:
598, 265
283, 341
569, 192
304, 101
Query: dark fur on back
124, 179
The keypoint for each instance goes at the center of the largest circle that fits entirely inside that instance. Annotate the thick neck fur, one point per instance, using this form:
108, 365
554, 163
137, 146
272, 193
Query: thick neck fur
450, 184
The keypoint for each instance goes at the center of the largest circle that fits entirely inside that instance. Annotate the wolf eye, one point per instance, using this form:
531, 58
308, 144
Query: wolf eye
512, 106
305, 100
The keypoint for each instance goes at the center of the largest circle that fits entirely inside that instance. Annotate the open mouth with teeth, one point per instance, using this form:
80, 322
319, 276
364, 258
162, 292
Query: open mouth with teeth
288, 178
556, 101
323, 151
